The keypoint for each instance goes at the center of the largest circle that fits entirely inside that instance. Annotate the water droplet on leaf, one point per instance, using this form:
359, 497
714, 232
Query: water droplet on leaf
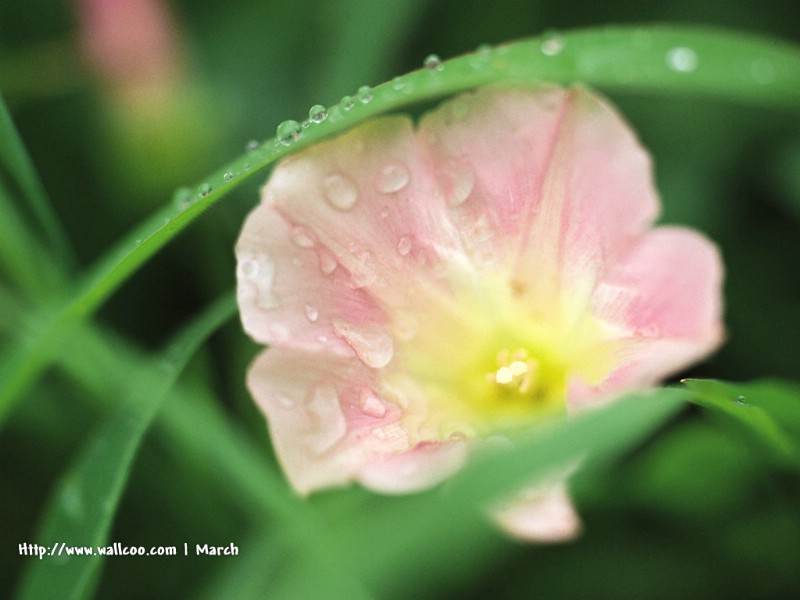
317, 113
251, 146
364, 94
346, 103
682, 59
288, 132
228, 177
204, 189
432, 62
552, 45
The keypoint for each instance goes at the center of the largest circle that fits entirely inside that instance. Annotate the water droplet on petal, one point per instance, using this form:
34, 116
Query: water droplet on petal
301, 237
286, 401
459, 181
404, 246
327, 262
392, 177
260, 271
329, 420
249, 268
369, 341
682, 59
317, 113
552, 45
312, 313
364, 94
363, 271
288, 132
432, 62
340, 191
204, 189
371, 404
406, 326
346, 103
228, 177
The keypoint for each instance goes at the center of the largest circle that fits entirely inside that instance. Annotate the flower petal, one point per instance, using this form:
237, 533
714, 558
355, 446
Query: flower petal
290, 290
558, 171
369, 198
664, 299
329, 426
540, 515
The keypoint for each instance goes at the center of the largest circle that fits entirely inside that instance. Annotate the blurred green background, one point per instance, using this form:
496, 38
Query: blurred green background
694, 513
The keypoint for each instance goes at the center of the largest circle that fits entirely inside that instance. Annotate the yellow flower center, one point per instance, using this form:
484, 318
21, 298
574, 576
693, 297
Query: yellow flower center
491, 357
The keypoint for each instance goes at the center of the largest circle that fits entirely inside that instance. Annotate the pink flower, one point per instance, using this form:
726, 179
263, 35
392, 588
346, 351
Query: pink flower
423, 289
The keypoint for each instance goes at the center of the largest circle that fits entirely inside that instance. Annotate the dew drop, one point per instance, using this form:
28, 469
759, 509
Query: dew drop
364, 94
398, 84
457, 436
371, 404
329, 421
301, 237
681, 59
363, 271
249, 268
459, 181
182, 198
204, 189
480, 58
251, 146
288, 132
260, 272
327, 262
404, 246
432, 62
228, 177
552, 45
392, 177
406, 326
369, 341
317, 113
138, 242
312, 313
246, 166
346, 103
286, 402
340, 191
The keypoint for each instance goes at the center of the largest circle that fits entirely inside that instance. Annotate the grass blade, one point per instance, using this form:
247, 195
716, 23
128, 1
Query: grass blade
17, 169
83, 506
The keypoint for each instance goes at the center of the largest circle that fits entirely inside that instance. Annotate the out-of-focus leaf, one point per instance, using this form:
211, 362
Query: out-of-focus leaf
82, 507
758, 411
